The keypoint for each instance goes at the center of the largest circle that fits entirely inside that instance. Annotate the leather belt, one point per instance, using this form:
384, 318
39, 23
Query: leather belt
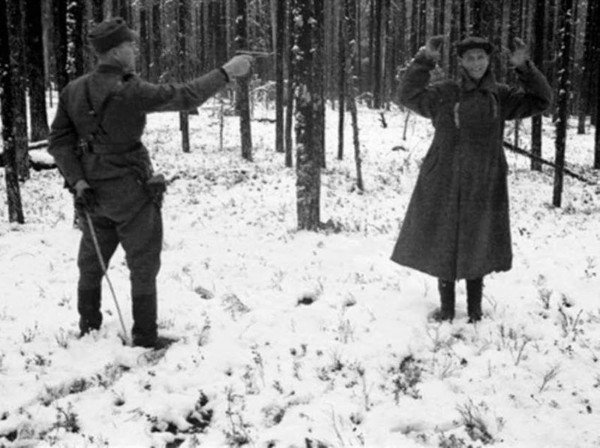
113, 148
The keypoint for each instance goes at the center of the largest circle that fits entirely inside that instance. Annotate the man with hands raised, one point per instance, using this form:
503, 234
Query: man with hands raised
95, 140
457, 222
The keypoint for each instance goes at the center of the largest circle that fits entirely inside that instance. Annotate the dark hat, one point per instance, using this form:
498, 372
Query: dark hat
474, 42
109, 34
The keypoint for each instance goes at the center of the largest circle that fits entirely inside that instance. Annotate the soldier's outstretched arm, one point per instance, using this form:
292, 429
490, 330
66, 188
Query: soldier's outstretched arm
185, 96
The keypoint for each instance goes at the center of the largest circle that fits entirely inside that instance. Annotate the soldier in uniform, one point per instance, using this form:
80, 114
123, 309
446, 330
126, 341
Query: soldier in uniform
95, 141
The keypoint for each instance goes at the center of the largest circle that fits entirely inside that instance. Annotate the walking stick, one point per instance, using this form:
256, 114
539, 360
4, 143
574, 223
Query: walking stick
104, 270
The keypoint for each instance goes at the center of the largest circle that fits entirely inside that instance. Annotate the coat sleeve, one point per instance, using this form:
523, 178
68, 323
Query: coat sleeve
416, 92
533, 96
179, 96
63, 141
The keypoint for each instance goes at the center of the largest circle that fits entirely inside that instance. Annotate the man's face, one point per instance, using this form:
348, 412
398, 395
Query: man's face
126, 54
475, 62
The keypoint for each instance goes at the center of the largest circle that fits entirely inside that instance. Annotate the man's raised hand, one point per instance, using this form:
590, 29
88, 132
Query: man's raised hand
520, 54
238, 66
432, 48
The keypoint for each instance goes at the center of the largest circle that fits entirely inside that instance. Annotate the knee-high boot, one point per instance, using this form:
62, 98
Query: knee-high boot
144, 330
474, 292
447, 301
88, 306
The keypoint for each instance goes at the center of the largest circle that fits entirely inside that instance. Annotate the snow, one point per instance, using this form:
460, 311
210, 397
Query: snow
291, 336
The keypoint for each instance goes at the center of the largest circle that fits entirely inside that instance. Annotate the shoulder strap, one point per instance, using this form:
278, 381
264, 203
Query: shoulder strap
99, 114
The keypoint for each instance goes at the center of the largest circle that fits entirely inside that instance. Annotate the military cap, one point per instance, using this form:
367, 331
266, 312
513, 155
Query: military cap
474, 42
109, 34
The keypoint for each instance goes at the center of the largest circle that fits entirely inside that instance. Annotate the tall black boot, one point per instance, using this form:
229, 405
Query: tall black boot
88, 306
447, 299
144, 329
474, 292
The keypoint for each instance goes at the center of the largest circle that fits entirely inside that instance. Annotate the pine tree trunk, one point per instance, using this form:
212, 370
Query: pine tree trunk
144, 41
308, 169
243, 95
34, 51
7, 88
596, 116
97, 11
289, 110
414, 27
538, 60
279, 58
359, 66
549, 39
377, 53
341, 82
592, 29
59, 14
564, 87
352, 92
19, 83
221, 35
78, 37
156, 65
319, 74
184, 122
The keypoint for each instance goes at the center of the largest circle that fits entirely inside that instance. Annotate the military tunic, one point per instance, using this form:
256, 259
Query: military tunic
116, 165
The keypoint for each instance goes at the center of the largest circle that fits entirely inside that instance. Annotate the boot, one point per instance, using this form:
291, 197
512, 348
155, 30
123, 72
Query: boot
447, 299
144, 329
474, 292
88, 306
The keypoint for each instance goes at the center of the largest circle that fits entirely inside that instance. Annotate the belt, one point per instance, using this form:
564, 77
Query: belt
113, 148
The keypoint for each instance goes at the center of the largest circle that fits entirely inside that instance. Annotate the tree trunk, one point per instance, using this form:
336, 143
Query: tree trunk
182, 72
97, 11
342, 38
34, 52
414, 27
538, 60
59, 13
564, 87
19, 83
78, 37
156, 65
289, 110
597, 110
144, 41
280, 8
377, 53
549, 39
319, 74
13, 193
352, 92
592, 29
243, 95
308, 169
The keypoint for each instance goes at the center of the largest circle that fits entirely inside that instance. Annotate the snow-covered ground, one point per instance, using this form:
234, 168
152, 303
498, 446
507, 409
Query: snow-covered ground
295, 339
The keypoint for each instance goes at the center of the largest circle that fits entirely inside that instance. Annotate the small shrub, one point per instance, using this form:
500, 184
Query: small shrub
452, 441
67, 419
475, 423
405, 378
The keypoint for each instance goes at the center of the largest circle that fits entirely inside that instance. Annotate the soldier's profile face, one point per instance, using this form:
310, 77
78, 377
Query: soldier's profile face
126, 53
475, 61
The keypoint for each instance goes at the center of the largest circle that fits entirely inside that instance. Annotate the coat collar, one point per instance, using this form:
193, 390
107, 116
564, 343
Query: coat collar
113, 69
110, 69
487, 83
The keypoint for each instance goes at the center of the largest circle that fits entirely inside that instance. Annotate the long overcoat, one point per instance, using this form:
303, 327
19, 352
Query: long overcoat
457, 222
